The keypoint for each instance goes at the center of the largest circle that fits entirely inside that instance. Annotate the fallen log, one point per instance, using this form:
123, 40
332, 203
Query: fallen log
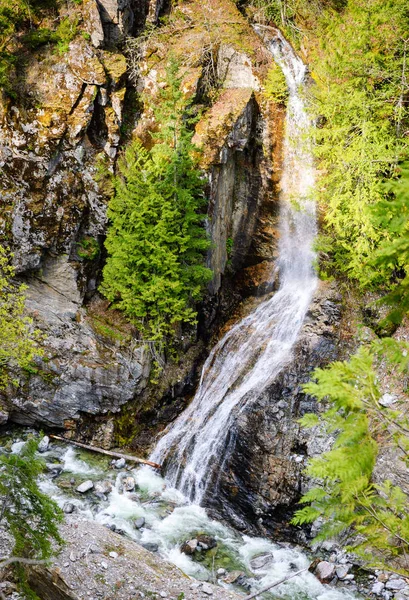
271, 585
127, 457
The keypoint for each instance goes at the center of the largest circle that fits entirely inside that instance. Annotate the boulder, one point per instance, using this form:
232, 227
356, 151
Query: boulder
259, 562
68, 508
85, 487
103, 487
44, 444
138, 523
325, 571
396, 584
189, 547
128, 484
206, 542
377, 588
233, 577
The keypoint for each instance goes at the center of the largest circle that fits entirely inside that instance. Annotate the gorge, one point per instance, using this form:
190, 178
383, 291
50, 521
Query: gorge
125, 117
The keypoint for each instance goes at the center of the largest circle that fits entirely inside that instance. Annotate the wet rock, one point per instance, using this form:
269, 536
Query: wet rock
259, 562
138, 523
103, 487
68, 508
120, 463
44, 443
189, 547
85, 487
54, 468
325, 571
150, 546
233, 577
128, 484
206, 542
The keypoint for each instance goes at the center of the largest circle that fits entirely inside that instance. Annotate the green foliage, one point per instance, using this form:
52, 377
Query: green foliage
88, 248
393, 254
65, 33
275, 86
156, 241
346, 496
359, 108
18, 340
39, 37
30, 516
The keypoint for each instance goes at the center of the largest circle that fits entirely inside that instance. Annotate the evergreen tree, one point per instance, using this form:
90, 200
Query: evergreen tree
30, 516
18, 339
156, 241
393, 254
375, 515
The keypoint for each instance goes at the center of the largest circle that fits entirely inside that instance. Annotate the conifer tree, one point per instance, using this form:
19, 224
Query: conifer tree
347, 499
30, 516
18, 339
156, 240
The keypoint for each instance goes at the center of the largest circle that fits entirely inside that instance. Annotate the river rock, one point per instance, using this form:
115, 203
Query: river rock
138, 523
189, 547
220, 572
206, 542
85, 486
233, 576
150, 546
120, 463
103, 487
55, 468
68, 508
325, 571
128, 484
259, 562
44, 443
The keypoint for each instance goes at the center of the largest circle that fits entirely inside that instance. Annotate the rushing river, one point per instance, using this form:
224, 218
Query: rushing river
170, 519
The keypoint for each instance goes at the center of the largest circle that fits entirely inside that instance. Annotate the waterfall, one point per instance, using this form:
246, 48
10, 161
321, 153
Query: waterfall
249, 357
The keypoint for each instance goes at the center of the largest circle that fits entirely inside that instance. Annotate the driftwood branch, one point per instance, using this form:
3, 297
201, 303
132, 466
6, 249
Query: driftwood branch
127, 457
268, 587
18, 559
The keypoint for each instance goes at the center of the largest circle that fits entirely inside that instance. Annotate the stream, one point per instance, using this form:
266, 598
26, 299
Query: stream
169, 520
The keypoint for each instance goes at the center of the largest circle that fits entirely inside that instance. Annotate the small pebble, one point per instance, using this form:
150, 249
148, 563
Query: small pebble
113, 554
163, 594
104, 565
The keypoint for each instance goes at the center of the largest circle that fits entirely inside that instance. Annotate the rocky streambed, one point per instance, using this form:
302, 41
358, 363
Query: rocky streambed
135, 509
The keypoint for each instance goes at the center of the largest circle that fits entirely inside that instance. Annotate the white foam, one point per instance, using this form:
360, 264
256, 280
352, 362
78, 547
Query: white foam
76, 465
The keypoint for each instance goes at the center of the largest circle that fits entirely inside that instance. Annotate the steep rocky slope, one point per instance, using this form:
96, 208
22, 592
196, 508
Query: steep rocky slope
62, 132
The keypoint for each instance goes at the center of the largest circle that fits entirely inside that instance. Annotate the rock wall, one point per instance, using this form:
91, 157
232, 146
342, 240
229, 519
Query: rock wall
59, 138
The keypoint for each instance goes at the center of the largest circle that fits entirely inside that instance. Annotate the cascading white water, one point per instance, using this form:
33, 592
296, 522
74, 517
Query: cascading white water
248, 358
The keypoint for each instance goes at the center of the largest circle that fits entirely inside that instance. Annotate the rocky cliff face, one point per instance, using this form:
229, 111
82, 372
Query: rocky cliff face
58, 137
